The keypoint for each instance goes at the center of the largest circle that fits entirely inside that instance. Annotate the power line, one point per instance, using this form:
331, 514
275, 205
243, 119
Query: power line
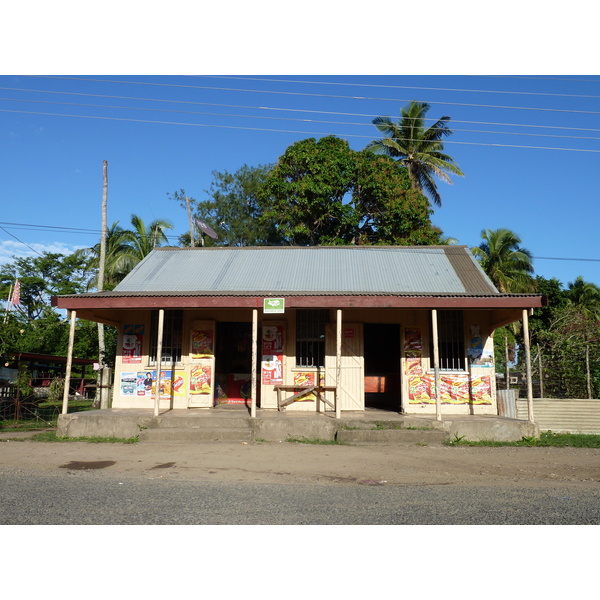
334, 96
314, 121
272, 130
52, 228
247, 107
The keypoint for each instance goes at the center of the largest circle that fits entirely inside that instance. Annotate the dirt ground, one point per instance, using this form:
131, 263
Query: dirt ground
303, 463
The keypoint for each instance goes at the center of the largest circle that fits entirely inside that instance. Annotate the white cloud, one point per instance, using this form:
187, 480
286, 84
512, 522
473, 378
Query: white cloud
10, 249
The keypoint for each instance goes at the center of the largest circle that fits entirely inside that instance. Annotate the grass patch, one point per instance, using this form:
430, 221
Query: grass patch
11, 425
50, 436
304, 440
546, 439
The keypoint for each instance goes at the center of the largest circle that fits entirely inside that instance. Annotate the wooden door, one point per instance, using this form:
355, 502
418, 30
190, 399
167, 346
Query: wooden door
201, 369
351, 393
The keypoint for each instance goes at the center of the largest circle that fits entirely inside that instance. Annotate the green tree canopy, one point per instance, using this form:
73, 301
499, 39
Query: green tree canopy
418, 148
505, 261
322, 192
232, 209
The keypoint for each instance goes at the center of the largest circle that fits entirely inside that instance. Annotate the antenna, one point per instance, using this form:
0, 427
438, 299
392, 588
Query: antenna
205, 229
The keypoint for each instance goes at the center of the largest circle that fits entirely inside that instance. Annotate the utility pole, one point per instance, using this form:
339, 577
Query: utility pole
189, 212
101, 395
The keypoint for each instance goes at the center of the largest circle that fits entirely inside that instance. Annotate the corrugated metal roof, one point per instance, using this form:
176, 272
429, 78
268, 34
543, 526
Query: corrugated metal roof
319, 270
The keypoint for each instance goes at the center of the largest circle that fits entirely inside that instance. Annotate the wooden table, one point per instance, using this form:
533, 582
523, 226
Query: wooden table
318, 390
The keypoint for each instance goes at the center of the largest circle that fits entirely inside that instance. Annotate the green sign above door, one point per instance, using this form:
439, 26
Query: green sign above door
274, 305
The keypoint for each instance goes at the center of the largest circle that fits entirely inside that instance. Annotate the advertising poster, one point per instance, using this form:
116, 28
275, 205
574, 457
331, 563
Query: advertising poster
272, 355
272, 370
132, 344
481, 390
128, 383
454, 390
200, 379
202, 343
303, 380
179, 387
272, 340
144, 383
413, 352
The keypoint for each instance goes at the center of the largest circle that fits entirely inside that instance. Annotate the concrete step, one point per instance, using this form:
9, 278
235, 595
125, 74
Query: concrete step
391, 436
203, 422
196, 434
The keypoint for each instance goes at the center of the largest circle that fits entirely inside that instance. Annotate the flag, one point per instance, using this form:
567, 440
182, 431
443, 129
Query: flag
15, 299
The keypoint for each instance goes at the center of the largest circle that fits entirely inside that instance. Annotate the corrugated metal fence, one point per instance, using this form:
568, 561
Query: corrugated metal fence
562, 416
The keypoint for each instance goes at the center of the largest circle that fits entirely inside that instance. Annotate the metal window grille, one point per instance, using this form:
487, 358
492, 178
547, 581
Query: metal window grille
310, 337
172, 337
451, 340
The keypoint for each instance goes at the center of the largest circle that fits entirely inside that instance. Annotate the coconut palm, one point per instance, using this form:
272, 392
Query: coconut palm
585, 296
126, 248
116, 247
418, 148
509, 267
141, 240
505, 261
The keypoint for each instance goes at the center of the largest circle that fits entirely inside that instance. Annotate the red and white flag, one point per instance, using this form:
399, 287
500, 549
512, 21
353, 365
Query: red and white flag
15, 299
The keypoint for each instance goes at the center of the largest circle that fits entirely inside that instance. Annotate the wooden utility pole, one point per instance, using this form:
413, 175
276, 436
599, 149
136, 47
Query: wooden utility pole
189, 212
101, 395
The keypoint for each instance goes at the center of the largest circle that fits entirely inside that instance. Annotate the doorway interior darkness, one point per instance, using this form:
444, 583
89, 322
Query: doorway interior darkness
382, 366
233, 360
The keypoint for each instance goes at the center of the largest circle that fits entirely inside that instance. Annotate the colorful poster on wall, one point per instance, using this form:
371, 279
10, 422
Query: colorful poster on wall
128, 383
481, 390
272, 339
454, 389
202, 343
272, 370
145, 383
413, 352
179, 387
304, 380
200, 379
131, 351
272, 354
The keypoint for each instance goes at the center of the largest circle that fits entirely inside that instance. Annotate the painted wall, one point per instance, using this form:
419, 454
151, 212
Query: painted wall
468, 392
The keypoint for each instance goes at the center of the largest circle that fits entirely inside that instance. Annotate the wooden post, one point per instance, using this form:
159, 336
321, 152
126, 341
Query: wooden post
65, 405
102, 397
528, 366
189, 212
254, 362
338, 376
159, 341
436, 365
541, 371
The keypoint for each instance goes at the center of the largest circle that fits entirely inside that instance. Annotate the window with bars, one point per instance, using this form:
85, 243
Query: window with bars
310, 337
172, 337
451, 340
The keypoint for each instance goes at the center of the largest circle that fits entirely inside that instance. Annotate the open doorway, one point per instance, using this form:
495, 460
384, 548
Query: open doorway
233, 363
382, 366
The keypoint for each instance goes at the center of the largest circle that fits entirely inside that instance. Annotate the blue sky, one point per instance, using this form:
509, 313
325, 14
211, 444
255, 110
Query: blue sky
528, 144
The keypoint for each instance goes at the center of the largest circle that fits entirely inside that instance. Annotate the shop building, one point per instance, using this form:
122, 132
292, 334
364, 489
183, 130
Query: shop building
338, 328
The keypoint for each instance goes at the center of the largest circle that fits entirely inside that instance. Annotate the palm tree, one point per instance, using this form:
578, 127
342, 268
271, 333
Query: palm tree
141, 240
116, 247
419, 149
509, 267
126, 248
505, 262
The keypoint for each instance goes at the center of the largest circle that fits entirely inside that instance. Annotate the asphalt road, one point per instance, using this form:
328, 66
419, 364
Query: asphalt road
91, 498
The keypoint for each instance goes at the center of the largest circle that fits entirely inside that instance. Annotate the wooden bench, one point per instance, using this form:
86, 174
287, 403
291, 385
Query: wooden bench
318, 391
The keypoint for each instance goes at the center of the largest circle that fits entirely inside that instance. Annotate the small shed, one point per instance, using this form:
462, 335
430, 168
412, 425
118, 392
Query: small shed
340, 328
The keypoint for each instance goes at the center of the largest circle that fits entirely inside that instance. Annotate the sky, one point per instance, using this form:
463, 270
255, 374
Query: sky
525, 134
